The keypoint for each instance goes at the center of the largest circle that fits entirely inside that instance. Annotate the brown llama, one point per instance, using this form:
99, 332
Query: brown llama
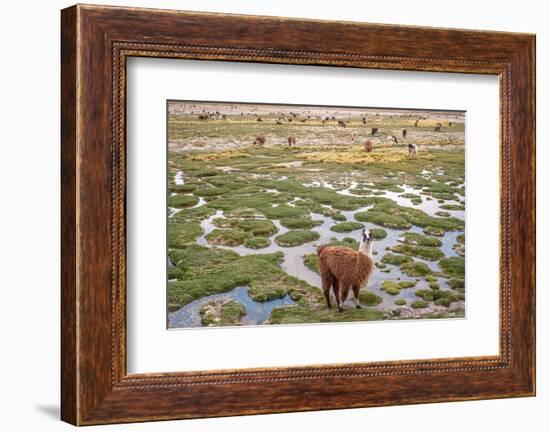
260, 141
404, 133
341, 123
343, 269
291, 141
368, 146
374, 131
437, 128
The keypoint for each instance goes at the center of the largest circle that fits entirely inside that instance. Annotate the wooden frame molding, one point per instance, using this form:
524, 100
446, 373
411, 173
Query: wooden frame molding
96, 42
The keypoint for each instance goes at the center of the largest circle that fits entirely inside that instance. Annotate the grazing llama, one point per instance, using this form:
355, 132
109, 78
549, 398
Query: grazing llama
260, 141
391, 138
343, 269
368, 146
404, 133
291, 141
373, 131
413, 150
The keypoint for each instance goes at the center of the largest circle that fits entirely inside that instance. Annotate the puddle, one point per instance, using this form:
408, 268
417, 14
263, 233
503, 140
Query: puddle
256, 312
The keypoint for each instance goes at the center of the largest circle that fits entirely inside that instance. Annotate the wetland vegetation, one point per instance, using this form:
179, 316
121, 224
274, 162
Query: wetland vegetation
245, 218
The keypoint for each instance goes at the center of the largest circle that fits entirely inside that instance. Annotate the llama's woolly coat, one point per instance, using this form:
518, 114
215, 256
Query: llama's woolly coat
350, 267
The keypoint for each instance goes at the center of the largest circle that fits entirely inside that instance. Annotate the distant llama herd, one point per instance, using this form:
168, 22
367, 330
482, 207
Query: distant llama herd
367, 145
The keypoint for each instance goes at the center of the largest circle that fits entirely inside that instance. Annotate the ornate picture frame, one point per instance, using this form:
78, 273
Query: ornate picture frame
96, 41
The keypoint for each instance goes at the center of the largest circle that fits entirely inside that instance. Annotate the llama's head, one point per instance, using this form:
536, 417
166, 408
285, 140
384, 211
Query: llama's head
366, 236
365, 245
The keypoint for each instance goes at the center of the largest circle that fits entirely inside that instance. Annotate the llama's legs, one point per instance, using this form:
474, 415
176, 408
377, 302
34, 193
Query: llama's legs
356, 296
344, 290
336, 288
327, 280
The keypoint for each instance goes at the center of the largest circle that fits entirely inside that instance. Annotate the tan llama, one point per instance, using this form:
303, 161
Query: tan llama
343, 269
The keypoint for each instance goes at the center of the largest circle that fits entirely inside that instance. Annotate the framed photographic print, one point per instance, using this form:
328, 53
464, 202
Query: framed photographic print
323, 222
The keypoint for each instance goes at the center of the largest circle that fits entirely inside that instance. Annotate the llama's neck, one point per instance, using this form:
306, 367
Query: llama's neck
366, 248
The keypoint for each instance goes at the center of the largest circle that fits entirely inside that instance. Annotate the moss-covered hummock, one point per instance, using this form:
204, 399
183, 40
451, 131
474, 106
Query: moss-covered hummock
428, 253
453, 266
257, 242
414, 238
256, 227
456, 283
296, 314
207, 271
311, 262
432, 230
419, 304
222, 312
347, 226
229, 237
339, 217
452, 207
395, 259
393, 287
300, 223
369, 298
378, 233
440, 297
400, 301
183, 232
296, 237
182, 201
383, 219
415, 269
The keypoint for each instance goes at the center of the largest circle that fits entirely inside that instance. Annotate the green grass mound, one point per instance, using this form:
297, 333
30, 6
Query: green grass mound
229, 237
439, 297
347, 226
339, 217
369, 298
389, 214
207, 271
257, 242
393, 287
296, 237
296, 314
300, 223
222, 312
453, 266
432, 230
419, 304
428, 253
415, 269
400, 301
252, 226
452, 207
181, 232
182, 201
383, 219
311, 262
456, 283
395, 259
413, 238
378, 233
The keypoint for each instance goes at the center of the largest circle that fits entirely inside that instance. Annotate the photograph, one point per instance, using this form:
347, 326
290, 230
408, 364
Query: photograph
302, 214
